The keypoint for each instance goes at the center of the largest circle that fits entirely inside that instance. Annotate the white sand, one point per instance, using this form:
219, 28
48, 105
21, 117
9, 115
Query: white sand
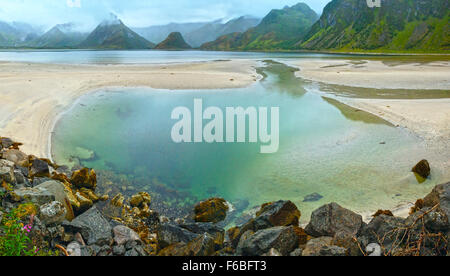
32, 95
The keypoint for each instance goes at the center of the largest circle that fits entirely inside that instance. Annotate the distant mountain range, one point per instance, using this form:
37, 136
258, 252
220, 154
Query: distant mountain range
197, 34
421, 25
345, 25
280, 29
174, 41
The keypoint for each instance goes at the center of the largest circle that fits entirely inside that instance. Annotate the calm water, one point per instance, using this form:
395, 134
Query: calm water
138, 57
349, 157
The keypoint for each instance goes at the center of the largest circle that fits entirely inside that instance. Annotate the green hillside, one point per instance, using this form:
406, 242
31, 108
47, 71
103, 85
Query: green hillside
174, 41
400, 25
280, 29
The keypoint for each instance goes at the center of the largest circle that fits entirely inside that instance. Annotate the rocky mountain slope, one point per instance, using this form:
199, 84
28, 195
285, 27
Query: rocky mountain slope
59, 37
421, 25
113, 34
280, 29
174, 41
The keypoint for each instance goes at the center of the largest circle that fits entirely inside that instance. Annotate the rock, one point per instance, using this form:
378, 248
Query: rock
21, 179
170, 233
74, 249
17, 157
381, 227
313, 197
314, 246
422, 169
333, 251
52, 213
39, 168
119, 250
332, 218
296, 253
281, 238
139, 199
273, 253
211, 210
201, 246
7, 172
280, 213
383, 212
94, 228
39, 180
440, 195
216, 232
85, 202
61, 194
84, 178
6, 142
1, 217
123, 234
37, 196
132, 253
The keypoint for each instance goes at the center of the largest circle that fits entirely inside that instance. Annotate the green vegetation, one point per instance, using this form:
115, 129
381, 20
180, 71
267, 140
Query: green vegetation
280, 29
398, 26
174, 41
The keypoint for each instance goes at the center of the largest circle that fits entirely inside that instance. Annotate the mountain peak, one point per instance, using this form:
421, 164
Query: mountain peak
111, 20
174, 41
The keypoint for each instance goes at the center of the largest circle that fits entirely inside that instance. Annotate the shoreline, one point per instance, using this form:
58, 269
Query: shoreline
47, 90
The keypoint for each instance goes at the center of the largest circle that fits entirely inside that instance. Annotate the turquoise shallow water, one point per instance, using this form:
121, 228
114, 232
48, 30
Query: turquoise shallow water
349, 157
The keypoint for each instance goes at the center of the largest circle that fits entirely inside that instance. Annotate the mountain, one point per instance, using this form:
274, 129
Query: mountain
211, 31
14, 34
113, 34
280, 29
421, 25
158, 33
198, 33
59, 37
174, 41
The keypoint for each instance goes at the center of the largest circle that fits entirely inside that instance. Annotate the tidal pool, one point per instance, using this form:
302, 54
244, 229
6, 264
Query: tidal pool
345, 155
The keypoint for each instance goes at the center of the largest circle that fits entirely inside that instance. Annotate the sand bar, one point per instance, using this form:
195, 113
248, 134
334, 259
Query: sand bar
32, 95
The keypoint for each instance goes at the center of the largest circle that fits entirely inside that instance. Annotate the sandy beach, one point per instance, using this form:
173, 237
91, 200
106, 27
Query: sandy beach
32, 95
426, 118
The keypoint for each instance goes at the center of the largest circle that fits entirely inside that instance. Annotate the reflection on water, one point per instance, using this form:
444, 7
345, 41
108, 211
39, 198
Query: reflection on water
342, 154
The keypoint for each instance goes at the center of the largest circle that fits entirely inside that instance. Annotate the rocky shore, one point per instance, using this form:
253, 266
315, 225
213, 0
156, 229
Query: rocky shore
51, 210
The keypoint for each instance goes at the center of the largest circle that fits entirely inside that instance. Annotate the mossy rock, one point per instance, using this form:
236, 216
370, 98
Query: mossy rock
212, 210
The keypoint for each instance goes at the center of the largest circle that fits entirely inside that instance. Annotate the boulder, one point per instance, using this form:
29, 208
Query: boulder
84, 178
123, 234
323, 246
21, 179
39, 168
201, 246
212, 210
7, 172
281, 238
439, 196
52, 213
61, 194
74, 249
280, 213
331, 219
170, 233
201, 228
119, 250
37, 196
382, 230
17, 157
6, 142
94, 228
422, 169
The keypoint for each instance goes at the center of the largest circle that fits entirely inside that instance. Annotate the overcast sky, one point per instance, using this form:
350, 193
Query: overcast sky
138, 13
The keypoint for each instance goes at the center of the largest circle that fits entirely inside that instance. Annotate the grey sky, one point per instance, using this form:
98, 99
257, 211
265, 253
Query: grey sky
138, 13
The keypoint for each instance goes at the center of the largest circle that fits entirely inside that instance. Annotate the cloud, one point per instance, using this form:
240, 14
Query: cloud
138, 13
74, 3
